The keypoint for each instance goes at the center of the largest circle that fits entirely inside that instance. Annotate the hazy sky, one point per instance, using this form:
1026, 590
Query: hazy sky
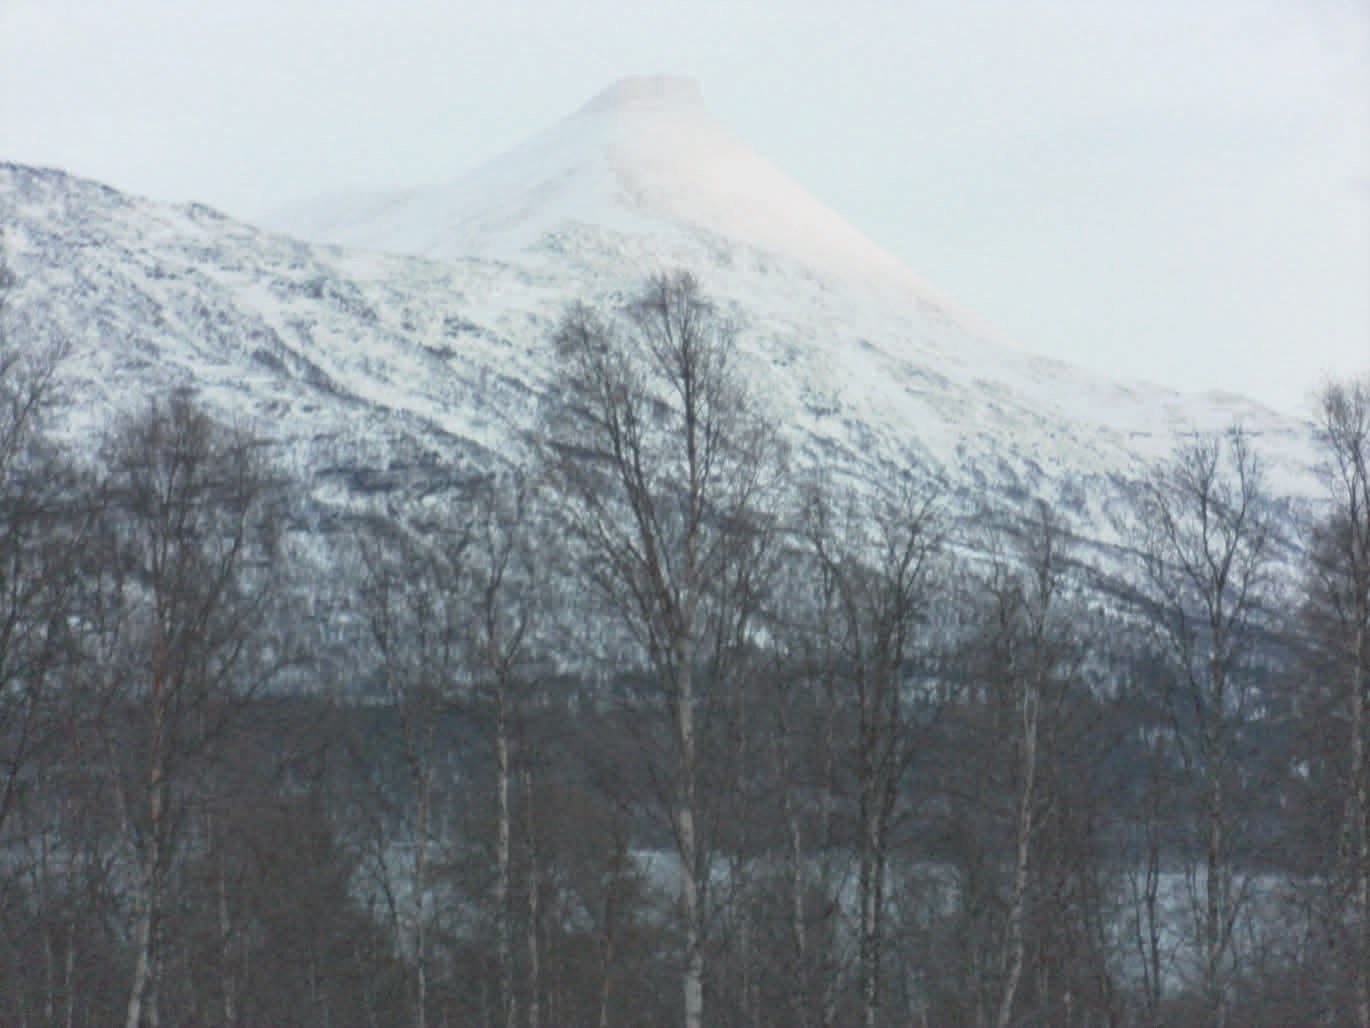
1171, 189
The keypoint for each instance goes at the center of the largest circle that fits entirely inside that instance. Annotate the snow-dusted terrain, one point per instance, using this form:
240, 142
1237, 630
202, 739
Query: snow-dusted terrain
410, 339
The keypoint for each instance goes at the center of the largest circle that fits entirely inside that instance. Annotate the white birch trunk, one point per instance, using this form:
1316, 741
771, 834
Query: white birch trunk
142, 1000
534, 955
503, 953
1030, 713
693, 979
1360, 820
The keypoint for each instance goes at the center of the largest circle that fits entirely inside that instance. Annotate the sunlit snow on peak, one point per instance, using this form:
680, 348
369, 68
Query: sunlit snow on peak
643, 159
648, 92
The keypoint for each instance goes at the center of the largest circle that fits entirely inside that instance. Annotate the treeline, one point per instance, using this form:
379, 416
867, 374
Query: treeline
660, 730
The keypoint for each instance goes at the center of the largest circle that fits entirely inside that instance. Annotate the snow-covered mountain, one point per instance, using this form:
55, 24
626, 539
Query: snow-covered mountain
410, 340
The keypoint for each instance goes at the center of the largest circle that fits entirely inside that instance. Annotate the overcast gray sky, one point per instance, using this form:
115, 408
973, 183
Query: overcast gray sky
1176, 190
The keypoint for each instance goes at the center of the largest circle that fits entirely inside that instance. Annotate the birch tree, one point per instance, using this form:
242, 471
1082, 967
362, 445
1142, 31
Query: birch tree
40, 539
191, 571
416, 600
1337, 622
509, 571
663, 466
1205, 534
1026, 655
877, 562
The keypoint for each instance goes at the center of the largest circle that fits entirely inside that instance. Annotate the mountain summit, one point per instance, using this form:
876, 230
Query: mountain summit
644, 159
649, 92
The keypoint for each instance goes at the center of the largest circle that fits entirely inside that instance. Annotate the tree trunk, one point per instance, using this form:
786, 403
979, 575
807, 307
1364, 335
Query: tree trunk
607, 951
418, 908
870, 943
1149, 917
1216, 899
534, 955
69, 1017
879, 773
503, 955
142, 1000
144, 935
798, 928
1022, 867
227, 977
1360, 819
693, 978
1217, 870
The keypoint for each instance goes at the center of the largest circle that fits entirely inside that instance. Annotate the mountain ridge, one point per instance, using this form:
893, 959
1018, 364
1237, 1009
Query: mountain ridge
425, 340
352, 357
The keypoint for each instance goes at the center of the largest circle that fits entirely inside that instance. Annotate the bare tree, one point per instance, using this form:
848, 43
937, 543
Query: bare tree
40, 536
1337, 617
1026, 653
1155, 811
417, 603
807, 750
1205, 526
451, 595
663, 466
508, 568
877, 561
190, 565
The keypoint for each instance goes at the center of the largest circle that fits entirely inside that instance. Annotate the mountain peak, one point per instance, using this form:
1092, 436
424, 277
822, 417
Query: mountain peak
643, 162
648, 92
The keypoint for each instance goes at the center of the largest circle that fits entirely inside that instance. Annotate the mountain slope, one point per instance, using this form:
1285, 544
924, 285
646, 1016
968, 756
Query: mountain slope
377, 371
643, 178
